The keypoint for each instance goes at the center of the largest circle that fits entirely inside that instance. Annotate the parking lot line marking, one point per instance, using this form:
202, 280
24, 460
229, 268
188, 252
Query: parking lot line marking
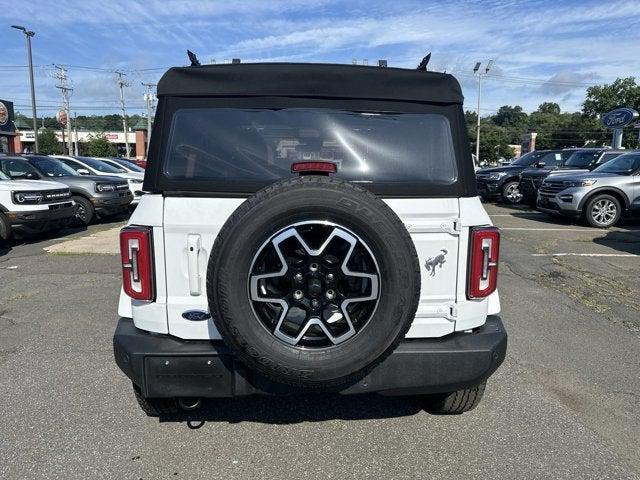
552, 229
584, 255
512, 214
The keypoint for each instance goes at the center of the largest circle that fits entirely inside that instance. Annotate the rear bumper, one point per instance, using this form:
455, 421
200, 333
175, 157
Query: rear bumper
165, 366
529, 190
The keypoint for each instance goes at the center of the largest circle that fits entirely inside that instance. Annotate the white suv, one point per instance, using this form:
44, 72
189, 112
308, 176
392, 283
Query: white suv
32, 206
309, 228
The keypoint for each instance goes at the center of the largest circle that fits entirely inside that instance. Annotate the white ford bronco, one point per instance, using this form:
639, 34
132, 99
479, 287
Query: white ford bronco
32, 206
309, 228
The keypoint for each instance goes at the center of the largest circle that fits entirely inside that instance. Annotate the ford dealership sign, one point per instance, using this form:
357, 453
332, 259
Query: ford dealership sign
619, 118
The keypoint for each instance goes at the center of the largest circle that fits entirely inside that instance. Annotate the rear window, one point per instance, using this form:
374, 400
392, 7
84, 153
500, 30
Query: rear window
259, 145
554, 159
101, 166
583, 158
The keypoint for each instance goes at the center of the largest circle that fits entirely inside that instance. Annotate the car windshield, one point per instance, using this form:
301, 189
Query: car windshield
52, 167
582, 158
3, 176
101, 166
623, 165
528, 159
260, 145
128, 165
18, 168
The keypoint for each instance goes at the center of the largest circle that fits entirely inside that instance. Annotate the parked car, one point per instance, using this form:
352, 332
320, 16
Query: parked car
141, 162
531, 178
28, 206
502, 182
128, 165
95, 196
578, 160
601, 197
284, 248
94, 166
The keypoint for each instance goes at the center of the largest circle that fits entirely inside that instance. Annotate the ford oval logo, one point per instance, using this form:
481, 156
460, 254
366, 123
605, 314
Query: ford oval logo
196, 315
619, 118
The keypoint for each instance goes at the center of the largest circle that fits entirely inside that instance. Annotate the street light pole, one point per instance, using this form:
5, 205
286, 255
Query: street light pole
30, 34
480, 75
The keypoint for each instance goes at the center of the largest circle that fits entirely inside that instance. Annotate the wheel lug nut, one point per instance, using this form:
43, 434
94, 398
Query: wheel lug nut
315, 303
298, 294
313, 267
330, 277
298, 277
330, 294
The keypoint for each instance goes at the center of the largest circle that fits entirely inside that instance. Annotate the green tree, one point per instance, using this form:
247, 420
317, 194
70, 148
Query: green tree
562, 130
508, 116
494, 142
471, 119
48, 142
623, 92
99, 146
549, 107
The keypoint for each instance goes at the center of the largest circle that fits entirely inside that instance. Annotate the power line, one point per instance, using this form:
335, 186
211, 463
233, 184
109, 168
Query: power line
492, 76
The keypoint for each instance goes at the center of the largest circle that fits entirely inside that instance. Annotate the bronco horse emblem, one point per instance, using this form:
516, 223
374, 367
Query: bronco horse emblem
437, 261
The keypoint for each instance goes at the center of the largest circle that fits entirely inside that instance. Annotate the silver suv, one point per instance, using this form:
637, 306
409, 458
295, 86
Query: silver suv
601, 196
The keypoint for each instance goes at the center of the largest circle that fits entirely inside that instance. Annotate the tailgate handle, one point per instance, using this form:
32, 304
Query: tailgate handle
193, 252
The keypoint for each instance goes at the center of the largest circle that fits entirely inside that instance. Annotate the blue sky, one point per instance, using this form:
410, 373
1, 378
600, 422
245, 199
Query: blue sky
543, 50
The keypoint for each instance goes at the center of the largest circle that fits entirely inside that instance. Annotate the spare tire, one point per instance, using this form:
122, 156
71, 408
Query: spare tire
313, 281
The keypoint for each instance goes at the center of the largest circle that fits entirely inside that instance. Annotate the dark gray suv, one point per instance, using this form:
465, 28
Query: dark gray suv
94, 196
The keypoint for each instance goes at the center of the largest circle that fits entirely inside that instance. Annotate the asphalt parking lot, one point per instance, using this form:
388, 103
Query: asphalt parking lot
566, 403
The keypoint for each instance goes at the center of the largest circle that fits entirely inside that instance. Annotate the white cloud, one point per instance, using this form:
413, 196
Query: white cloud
560, 45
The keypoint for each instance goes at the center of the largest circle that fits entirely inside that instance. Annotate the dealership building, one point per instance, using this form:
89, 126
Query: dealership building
136, 137
8, 132
17, 135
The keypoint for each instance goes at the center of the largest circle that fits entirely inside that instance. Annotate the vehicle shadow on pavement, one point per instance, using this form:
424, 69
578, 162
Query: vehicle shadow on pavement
625, 241
549, 219
297, 409
63, 233
42, 237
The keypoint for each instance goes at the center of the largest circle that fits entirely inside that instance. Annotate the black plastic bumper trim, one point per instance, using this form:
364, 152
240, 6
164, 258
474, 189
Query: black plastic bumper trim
165, 366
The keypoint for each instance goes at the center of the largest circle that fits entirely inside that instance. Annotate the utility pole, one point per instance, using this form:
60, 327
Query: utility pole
122, 83
75, 133
30, 34
149, 97
480, 75
61, 75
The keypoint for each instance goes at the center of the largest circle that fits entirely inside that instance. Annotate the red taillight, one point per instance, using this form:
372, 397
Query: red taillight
136, 251
314, 167
483, 262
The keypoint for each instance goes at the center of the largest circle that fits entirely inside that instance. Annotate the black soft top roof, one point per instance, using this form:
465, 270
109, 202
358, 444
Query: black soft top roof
311, 80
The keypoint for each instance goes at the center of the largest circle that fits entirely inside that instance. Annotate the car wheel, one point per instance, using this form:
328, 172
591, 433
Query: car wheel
603, 211
6, 232
455, 403
154, 407
85, 212
511, 193
313, 281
